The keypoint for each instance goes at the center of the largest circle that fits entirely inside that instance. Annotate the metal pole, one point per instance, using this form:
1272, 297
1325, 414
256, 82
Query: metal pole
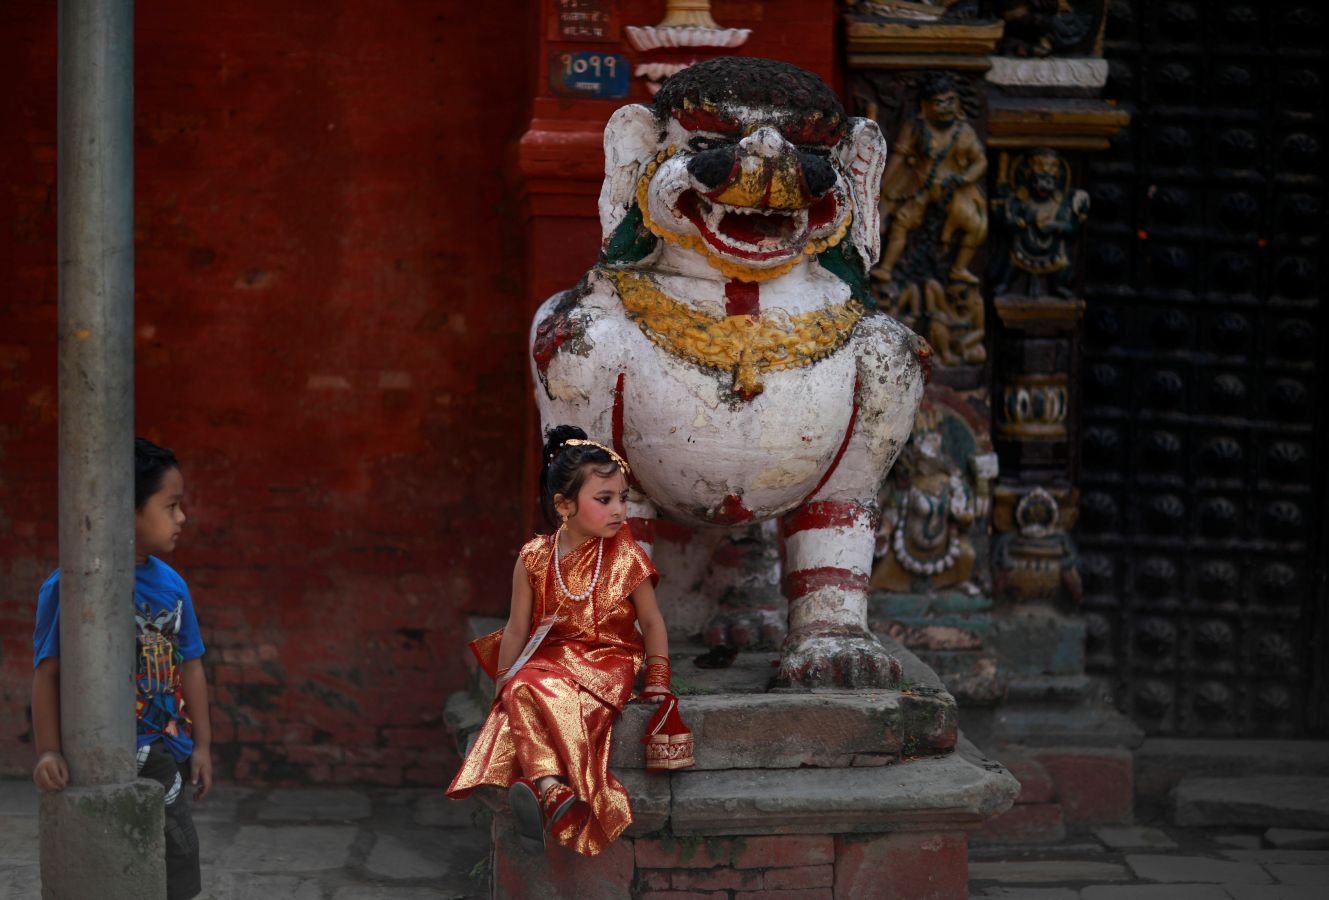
102, 838
95, 172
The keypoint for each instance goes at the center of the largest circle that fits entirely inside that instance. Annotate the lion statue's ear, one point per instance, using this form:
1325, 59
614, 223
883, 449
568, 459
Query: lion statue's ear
632, 138
863, 159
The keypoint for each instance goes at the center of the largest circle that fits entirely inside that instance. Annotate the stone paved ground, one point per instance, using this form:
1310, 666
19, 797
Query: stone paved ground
362, 844
1142, 863
308, 844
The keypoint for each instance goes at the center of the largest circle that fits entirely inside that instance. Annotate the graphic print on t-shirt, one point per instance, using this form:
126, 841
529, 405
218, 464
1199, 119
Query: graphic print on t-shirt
160, 703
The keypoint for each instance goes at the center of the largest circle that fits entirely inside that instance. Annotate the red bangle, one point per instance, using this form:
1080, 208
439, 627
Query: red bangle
657, 675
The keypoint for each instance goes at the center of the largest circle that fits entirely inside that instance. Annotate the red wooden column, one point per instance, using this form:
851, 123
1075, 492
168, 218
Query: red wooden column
585, 69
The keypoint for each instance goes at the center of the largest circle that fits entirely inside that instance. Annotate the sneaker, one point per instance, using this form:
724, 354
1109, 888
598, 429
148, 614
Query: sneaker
524, 801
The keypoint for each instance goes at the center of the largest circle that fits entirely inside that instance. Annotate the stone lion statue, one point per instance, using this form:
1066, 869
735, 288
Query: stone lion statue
727, 345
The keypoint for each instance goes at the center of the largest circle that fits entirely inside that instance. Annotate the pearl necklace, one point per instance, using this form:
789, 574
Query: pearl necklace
558, 569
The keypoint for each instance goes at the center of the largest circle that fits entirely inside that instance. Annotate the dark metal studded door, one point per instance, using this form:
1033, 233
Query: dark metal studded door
1203, 473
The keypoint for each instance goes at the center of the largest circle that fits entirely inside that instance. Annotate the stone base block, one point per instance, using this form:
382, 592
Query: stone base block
1041, 725
759, 852
972, 677
105, 842
1035, 783
523, 872
1025, 823
961, 789
650, 799
797, 795
1161, 763
1294, 801
1037, 640
894, 866
1297, 839
779, 834
823, 729
1096, 786
918, 866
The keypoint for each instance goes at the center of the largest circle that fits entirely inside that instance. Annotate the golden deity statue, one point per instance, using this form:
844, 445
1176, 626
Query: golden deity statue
937, 161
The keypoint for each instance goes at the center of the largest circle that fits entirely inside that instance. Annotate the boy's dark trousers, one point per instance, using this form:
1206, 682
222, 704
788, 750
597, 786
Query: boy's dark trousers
183, 879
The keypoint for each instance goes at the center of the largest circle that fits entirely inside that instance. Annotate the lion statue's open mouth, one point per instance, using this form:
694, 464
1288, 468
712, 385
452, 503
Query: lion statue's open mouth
758, 234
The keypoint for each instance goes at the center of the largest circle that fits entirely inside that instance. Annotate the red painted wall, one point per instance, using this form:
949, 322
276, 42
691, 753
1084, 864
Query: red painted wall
330, 335
333, 289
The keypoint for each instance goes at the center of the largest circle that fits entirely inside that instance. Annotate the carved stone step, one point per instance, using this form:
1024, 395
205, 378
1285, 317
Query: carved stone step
821, 729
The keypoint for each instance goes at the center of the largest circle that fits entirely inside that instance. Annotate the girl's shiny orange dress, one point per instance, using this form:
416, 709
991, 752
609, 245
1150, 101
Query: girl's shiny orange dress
556, 715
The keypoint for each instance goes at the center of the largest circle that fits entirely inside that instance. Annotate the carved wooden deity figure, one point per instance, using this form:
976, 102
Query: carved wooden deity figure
932, 500
937, 161
726, 343
1044, 27
1039, 214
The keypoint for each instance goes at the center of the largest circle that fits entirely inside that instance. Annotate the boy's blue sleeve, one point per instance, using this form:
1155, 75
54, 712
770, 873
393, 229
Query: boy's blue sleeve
191, 639
46, 633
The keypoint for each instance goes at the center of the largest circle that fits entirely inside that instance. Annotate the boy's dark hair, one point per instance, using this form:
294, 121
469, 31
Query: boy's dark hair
563, 469
151, 463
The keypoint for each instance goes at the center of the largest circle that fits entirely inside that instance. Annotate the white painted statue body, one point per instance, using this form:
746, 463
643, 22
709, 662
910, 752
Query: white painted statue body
662, 352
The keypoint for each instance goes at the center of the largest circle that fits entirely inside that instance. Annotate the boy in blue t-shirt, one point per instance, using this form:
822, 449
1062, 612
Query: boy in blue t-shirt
172, 704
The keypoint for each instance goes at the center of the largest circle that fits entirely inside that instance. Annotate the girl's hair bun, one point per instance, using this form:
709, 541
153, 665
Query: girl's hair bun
558, 436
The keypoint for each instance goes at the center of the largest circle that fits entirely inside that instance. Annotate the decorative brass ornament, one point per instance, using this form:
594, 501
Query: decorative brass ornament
747, 346
1035, 406
695, 243
1037, 561
1037, 514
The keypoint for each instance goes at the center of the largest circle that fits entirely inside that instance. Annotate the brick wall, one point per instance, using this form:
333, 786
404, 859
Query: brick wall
330, 333
927, 865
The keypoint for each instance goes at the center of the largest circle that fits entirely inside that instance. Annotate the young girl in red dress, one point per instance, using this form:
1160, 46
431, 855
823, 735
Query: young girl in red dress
567, 660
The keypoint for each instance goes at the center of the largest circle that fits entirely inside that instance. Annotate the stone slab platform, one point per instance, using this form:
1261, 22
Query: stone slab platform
953, 792
1160, 763
739, 723
1293, 801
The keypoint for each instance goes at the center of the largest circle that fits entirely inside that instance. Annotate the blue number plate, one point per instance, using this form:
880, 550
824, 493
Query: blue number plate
589, 75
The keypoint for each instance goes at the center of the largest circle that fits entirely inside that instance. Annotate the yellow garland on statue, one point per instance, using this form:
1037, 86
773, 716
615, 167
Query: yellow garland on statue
696, 244
748, 346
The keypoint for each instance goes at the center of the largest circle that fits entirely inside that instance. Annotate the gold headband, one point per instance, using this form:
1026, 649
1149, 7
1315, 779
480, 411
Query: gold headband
581, 442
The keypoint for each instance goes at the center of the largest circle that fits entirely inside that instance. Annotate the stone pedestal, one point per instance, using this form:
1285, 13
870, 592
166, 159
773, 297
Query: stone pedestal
831, 793
104, 842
